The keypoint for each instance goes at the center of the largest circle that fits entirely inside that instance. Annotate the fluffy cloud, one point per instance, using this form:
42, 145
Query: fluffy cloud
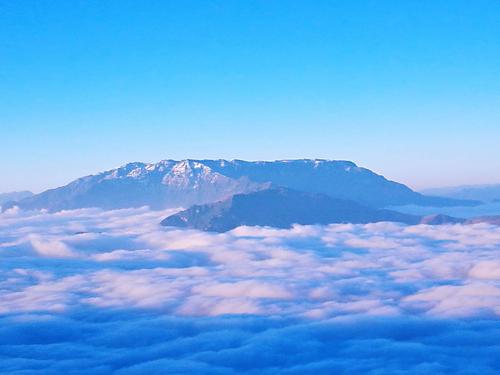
95, 291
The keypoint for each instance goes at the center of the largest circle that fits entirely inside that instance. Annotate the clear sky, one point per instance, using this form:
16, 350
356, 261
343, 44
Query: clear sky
409, 89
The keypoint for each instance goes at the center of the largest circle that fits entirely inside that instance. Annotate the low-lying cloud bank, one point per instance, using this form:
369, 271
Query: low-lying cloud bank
90, 291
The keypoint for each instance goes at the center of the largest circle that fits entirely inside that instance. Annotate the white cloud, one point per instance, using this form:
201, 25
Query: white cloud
459, 300
125, 259
99, 263
487, 269
51, 248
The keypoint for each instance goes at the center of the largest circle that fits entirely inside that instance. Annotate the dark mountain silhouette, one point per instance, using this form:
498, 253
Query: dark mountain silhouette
280, 208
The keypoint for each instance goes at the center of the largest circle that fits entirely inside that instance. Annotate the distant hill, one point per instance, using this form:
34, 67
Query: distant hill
171, 183
14, 196
485, 193
440, 219
282, 207
485, 219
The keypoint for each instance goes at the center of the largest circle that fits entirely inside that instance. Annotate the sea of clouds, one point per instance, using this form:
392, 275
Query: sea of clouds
98, 292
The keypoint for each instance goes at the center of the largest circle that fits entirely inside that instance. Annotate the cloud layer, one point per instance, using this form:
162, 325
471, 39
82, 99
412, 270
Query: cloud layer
102, 291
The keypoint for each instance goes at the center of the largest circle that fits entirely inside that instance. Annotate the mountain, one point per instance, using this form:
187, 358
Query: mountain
282, 207
485, 193
485, 219
14, 196
161, 185
171, 183
336, 178
440, 219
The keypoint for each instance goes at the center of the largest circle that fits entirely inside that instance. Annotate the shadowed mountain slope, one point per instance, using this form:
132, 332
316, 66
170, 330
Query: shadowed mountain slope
280, 208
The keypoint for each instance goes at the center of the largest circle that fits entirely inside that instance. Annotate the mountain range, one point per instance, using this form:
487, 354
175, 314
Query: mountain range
171, 183
485, 193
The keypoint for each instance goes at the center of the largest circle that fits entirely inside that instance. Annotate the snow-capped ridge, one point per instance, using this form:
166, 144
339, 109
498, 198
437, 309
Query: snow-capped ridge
175, 183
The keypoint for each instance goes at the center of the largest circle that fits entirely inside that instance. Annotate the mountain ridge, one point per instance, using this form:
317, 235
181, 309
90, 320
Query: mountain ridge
486, 193
171, 183
283, 207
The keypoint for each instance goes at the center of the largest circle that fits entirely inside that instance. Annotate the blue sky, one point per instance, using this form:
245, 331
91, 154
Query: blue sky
410, 89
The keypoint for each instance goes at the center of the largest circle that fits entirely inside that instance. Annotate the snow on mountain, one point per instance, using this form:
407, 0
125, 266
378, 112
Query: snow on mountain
165, 184
171, 183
